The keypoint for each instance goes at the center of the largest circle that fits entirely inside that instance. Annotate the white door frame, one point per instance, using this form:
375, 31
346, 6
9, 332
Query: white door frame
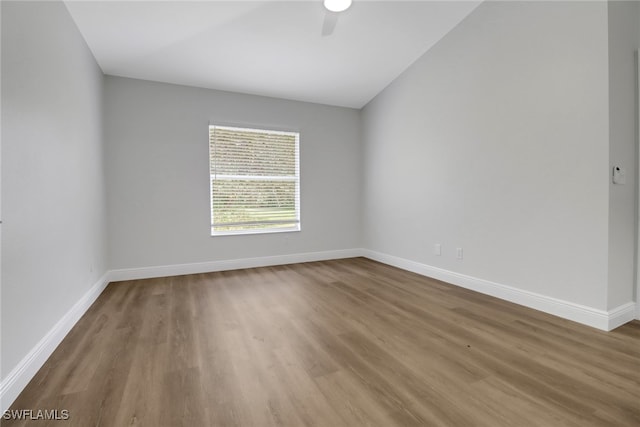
637, 177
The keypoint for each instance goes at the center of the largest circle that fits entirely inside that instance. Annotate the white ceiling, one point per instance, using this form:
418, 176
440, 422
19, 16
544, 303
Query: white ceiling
271, 48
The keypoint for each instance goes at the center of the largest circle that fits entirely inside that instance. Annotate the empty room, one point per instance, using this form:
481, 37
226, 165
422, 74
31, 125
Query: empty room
319, 213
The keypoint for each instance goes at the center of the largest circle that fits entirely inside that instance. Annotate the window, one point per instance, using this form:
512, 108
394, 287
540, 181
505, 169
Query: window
255, 180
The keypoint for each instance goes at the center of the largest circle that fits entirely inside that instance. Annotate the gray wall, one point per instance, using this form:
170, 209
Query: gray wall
623, 42
158, 174
496, 141
54, 228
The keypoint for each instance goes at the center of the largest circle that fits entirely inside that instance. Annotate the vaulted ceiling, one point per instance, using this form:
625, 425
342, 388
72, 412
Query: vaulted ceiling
271, 48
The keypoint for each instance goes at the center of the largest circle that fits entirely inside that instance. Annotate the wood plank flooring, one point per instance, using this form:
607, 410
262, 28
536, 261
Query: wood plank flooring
337, 343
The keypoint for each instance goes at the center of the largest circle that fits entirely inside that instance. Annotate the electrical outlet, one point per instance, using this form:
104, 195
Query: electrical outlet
459, 253
437, 249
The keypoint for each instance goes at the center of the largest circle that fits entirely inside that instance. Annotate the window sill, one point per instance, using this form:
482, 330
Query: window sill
245, 232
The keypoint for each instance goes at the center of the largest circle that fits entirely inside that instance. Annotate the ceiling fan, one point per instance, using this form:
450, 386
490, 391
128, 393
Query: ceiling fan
334, 7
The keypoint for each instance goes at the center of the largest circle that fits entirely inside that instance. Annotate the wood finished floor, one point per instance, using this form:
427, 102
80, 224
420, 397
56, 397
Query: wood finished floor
337, 343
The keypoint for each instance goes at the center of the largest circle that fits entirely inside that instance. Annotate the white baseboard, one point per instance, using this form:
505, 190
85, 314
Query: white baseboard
621, 315
600, 319
19, 377
232, 264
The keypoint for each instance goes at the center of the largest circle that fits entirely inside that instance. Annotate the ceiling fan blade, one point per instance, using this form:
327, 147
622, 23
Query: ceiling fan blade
329, 24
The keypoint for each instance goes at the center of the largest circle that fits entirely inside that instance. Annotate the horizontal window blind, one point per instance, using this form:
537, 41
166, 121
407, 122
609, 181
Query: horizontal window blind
255, 180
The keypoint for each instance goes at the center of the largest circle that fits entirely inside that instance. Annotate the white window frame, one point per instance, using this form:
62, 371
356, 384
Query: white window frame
296, 178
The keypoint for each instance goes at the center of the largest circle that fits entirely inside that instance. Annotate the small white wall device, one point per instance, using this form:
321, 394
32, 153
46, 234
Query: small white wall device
619, 175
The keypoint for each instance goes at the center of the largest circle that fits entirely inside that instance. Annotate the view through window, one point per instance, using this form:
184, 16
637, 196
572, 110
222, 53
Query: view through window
255, 180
